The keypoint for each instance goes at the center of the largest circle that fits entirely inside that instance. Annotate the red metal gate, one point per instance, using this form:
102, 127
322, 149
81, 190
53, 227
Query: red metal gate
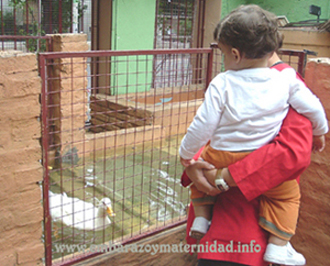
118, 151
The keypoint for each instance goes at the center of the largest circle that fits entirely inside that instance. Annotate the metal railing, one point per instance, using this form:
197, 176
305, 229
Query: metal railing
34, 19
111, 131
294, 58
26, 43
108, 133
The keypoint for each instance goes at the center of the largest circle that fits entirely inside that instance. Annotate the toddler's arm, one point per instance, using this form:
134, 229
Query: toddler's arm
186, 162
306, 103
318, 143
203, 125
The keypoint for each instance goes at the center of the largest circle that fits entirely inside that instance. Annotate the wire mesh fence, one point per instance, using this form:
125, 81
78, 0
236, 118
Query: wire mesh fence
111, 136
34, 19
111, 141
174, 24
173, 27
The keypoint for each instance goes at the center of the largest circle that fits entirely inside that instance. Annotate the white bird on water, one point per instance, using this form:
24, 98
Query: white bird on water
79, 214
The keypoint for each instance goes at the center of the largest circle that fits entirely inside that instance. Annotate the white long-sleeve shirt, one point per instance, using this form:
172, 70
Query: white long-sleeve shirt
243, 110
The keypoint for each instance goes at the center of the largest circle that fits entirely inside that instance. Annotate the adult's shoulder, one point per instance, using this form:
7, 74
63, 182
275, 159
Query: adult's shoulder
280, 66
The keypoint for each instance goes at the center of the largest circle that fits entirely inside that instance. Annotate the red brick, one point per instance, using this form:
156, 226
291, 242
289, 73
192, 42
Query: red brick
24, 84
30, 253
68, 38
18, 62
30, 199
18, 159
28, 216
7, 185
26, 130
20, 235
7, 221
25, 108
28, 176
5, 140
19, 202
69, 47
8, 257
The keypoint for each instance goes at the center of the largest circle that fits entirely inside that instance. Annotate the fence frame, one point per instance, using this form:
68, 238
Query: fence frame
43, 58
301, 58
48, 39
301, 55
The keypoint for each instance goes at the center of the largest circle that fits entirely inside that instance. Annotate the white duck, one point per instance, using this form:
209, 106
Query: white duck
79, 214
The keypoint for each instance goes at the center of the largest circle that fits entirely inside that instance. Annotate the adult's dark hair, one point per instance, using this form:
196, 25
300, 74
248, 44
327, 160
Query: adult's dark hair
250, 29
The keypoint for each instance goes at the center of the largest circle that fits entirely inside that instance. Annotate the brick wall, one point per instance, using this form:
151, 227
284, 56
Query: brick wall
20, 194
70, 99
313, 233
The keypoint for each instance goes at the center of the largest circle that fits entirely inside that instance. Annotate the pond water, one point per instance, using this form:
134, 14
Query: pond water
143, 184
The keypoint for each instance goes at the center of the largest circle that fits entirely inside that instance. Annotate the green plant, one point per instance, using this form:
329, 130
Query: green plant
32, 44
8, 22
81, 9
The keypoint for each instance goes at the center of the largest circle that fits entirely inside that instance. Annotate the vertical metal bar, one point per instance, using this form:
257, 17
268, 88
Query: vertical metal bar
178, 25
72, 141
82, 17
50, 17
154, 64
156, 24
171, 25
143, 148
85, 102
27, 16
71, 18
60, 26
45, 134
193, 18
301, 62
203, 23
39, 24
27, 22
198, 23
49, 45
15, 29
164, 31
209, 68
107, 70
2, 24
185, 24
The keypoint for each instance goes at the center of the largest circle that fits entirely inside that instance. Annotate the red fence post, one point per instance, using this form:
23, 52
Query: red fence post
209, 69
45, 144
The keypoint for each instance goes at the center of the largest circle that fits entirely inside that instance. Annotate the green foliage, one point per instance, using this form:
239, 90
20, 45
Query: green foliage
185, 27
32, 44
81, 9
8, 22
65, 19
16, 3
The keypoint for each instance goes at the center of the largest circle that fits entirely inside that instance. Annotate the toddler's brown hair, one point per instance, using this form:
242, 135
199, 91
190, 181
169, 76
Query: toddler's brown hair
250, 29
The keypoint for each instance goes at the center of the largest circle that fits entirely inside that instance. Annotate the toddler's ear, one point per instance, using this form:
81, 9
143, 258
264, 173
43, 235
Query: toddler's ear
237, 55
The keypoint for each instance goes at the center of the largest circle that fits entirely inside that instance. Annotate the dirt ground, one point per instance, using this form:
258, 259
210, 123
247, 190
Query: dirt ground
173, 236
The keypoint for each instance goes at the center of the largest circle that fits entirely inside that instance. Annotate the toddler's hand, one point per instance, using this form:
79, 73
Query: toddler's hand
186, 162
318, 143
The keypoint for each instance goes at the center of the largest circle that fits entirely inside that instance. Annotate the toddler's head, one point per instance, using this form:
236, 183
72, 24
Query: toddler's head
250, 29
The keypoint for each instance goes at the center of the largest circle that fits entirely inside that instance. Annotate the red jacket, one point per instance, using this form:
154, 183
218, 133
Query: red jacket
234, 234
